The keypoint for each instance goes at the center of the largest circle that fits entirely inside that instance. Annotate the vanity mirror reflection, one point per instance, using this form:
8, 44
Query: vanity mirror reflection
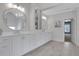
14, 19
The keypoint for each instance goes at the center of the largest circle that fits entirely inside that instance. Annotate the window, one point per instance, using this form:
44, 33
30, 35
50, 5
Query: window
67, 28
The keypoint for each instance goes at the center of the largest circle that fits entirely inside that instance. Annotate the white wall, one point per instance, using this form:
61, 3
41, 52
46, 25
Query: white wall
50, 22
27, 13
58, 33
74, 27
77, 27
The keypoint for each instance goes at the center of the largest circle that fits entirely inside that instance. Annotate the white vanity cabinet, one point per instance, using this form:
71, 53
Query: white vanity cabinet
34, 41
11, 45
20, 44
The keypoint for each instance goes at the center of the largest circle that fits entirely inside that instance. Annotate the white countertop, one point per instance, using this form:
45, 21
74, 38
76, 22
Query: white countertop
4, 34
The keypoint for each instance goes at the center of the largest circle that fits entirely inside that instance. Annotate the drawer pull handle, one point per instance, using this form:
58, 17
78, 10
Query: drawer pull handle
5, 39
4, 46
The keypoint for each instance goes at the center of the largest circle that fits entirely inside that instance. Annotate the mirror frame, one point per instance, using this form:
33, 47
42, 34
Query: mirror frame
5, 20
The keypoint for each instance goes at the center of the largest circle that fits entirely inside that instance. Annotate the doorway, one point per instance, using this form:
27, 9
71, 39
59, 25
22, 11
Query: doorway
67, 30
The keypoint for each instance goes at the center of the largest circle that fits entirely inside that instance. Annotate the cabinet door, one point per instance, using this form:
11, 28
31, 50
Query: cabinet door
17, 46
33, 41
29, 42
4, 47
41, 38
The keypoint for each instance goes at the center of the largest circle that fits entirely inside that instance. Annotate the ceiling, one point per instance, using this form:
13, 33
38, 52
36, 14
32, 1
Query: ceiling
45, 6
49, 8
56, 8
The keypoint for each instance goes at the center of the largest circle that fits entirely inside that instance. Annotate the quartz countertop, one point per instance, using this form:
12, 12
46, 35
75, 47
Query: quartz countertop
4, 34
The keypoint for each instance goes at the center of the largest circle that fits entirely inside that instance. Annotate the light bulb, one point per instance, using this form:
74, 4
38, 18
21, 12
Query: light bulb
14, 6
10, 5
43, 17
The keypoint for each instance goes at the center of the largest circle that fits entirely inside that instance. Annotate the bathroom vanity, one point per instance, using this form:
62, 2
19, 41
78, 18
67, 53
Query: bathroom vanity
20, 44
16, 43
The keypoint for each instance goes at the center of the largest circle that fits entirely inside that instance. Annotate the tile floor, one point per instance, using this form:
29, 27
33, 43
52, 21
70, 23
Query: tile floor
53, 48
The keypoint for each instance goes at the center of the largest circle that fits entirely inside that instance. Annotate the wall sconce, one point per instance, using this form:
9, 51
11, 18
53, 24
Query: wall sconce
37, 19
58, 24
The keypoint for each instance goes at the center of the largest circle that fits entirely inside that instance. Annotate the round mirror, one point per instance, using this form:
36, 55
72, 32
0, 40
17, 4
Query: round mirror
14, 19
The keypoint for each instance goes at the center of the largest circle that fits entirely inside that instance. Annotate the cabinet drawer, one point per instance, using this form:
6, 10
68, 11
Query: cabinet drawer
4, 46
4, 40
4, 50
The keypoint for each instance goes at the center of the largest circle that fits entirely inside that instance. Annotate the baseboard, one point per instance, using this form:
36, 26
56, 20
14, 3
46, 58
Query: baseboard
76, 44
